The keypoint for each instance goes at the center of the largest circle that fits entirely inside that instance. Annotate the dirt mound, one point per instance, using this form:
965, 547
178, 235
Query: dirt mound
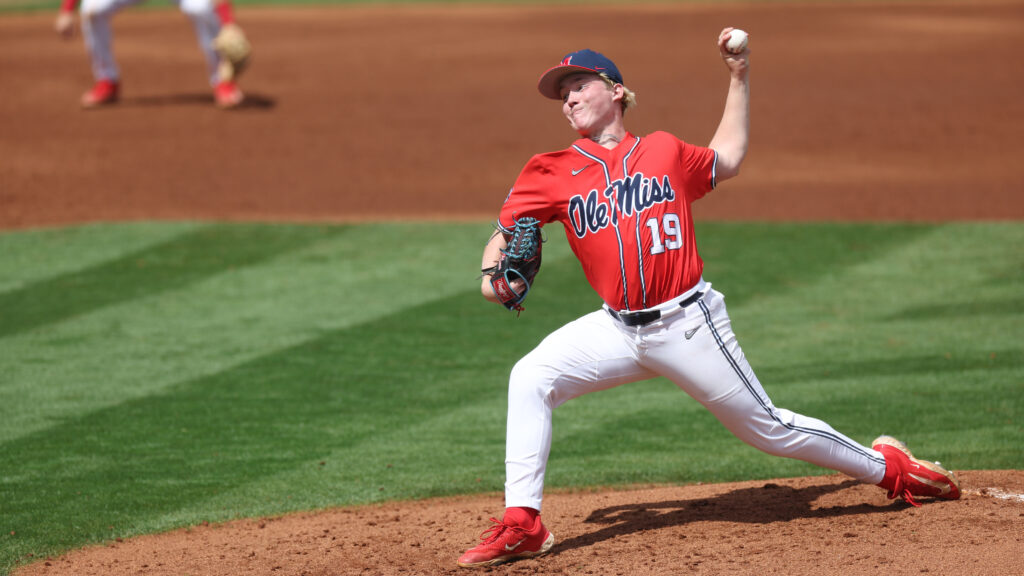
827, 525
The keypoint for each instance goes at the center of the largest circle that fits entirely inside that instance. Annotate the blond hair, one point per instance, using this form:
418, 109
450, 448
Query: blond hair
628, 96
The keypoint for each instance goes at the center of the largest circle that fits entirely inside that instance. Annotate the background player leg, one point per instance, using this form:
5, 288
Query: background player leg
99, 39
207, 25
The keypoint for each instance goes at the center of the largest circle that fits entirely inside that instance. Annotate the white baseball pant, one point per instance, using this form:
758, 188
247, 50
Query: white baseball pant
96, 31
597, 352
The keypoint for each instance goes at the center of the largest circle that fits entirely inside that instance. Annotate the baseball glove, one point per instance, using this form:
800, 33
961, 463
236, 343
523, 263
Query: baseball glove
520, 260
234, 50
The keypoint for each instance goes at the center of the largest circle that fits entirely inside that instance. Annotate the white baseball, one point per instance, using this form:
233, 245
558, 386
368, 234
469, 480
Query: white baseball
737, 41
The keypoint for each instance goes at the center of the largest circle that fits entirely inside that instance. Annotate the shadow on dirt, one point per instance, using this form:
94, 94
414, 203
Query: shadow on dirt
252, 101
762, 505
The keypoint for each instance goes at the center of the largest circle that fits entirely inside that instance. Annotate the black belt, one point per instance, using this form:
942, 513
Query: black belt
644, 317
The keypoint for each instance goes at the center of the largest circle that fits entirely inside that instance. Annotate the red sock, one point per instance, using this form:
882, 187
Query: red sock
525, 517
225, 11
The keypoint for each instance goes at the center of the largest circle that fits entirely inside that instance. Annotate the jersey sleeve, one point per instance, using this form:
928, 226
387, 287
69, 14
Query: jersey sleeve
699, 164
529, 196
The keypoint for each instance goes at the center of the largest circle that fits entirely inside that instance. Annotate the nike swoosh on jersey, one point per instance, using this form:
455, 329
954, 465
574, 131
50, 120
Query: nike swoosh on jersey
689, 333
575, 172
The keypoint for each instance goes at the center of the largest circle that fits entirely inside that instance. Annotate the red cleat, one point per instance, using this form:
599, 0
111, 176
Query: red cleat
504, 542
906, 476
103, 92
227, 95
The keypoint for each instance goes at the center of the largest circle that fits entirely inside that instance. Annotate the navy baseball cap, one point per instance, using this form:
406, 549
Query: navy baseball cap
580, 61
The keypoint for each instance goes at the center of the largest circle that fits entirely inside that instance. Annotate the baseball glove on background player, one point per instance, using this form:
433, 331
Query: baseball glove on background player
234, 50
519, 263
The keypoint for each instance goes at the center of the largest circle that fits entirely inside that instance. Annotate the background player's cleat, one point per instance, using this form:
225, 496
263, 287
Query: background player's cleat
103, 92
504, 542
907, 476
227, 95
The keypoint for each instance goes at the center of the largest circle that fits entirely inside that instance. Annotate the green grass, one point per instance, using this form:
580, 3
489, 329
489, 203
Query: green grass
154, 376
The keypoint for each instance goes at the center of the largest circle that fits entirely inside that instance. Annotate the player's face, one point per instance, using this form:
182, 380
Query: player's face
589, 103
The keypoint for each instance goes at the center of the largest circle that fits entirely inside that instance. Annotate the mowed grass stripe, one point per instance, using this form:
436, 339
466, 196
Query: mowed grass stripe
174, 264
131, 465
33, 256
441, 391
859, 333
455, 451
752, 260
229, 316
400, 392
872, 309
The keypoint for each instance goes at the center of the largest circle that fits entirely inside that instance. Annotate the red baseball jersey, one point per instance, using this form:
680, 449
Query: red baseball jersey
626, 212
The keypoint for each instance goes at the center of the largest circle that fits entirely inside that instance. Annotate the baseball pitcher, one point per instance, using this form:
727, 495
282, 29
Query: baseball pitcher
625, 204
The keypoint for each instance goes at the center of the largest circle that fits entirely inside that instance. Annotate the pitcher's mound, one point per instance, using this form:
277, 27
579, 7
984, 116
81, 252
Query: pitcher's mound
820, 525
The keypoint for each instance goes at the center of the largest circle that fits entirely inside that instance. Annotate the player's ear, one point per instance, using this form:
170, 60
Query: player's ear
618, 92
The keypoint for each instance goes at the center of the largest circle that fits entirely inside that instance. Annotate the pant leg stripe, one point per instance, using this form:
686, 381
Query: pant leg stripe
761, 401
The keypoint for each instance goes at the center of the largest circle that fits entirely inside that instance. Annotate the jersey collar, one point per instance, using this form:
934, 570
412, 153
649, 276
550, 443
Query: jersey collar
596, 149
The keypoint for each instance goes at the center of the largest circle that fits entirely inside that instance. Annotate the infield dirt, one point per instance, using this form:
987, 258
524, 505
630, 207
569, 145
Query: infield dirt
861, 111
828, 525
